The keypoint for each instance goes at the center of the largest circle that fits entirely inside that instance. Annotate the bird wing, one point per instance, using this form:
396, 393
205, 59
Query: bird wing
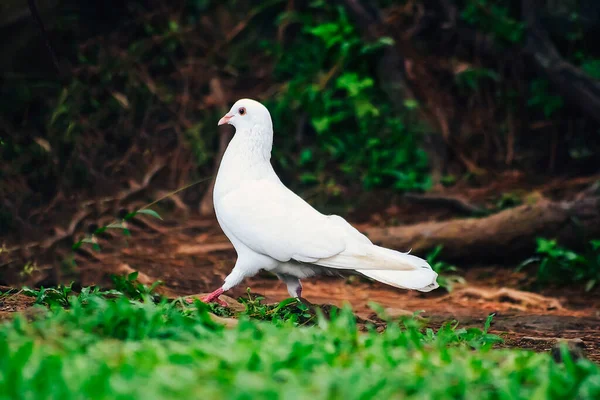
270, 219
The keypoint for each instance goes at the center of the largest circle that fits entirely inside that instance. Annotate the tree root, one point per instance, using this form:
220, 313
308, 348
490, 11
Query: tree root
518, 299
505, 237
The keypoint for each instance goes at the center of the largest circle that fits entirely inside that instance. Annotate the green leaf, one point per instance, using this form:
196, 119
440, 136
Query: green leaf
545, 245
320, 124
149, 212
590, 285
527, 262
308, 178
592, 68
411, 104
132, 276
305, 157
173, 26
488, 322
386, 40
116, 225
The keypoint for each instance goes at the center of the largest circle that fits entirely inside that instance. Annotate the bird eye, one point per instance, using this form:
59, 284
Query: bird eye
242, 111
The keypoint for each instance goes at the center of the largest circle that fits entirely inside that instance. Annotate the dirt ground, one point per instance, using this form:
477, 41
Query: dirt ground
191, 256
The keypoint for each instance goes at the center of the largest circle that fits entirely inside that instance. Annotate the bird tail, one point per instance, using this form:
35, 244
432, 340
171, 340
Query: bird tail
391, 267
401, 270
421, 280
420, 276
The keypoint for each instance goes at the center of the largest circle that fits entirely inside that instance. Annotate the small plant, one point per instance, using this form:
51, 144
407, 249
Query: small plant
448, 180
493, 16
63, 295
559, 265
471, 78
122, 224
218, 309
289, 310
476, 338
51, 296
445, 280
28, 269
131, 288
592, 68
542, 98
508, 200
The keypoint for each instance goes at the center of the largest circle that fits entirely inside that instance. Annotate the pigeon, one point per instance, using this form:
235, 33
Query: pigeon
273, 229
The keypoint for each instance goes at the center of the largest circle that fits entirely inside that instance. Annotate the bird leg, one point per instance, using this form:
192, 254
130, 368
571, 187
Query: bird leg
213, 298
294, 287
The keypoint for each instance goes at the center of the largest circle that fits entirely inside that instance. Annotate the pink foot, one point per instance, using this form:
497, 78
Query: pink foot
212, 298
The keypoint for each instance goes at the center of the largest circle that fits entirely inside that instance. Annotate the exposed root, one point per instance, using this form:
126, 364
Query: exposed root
501, 237
203, 248
518, 299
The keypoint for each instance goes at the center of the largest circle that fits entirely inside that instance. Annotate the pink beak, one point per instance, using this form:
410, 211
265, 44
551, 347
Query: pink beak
225, 119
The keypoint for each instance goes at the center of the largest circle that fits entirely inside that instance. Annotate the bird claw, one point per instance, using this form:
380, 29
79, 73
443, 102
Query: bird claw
217, 300
212, 298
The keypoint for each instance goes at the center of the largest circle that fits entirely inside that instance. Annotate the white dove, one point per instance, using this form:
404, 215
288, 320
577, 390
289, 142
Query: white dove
273, 229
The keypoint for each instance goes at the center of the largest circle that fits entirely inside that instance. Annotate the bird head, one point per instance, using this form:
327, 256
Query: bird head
245, 114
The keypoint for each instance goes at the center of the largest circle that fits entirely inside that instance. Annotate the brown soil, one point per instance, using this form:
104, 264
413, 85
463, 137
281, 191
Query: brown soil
191, 256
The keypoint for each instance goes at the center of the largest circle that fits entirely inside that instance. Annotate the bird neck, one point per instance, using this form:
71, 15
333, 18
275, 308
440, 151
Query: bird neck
253, 145
248, 157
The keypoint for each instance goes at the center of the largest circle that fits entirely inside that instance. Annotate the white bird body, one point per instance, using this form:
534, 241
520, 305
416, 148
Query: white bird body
273, 229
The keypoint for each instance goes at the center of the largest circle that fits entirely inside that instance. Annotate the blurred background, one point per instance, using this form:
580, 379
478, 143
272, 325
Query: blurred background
467, 130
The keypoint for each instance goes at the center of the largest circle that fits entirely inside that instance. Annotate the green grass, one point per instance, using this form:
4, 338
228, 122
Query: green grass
95, 347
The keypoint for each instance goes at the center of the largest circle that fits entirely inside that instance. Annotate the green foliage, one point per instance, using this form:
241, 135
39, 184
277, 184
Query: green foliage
327, 82
116, 349
508, 200
471, 78
559, 265
289, 310
130, 287
592, 68
543, 99
494, 16
125, 286
59, 295
472, 337
120, 101
445, 279
122, 224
